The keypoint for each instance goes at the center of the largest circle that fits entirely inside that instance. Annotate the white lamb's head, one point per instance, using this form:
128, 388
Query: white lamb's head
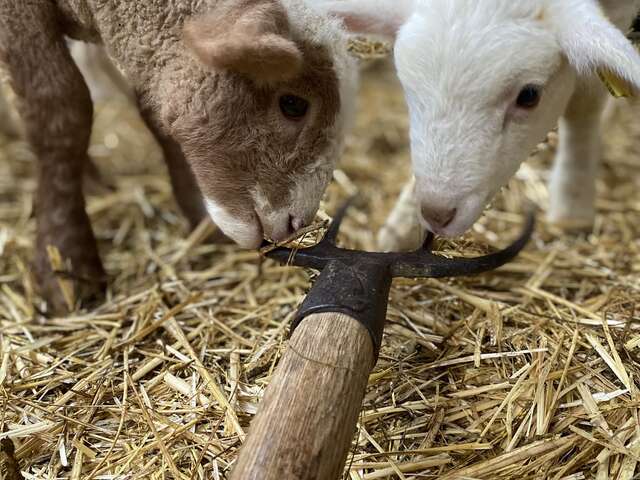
485, 80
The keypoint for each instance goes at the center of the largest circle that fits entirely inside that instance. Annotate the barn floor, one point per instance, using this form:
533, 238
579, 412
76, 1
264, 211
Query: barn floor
530, 372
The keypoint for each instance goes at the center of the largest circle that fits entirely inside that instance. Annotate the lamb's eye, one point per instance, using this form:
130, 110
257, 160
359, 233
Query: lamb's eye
293, 107
529, 97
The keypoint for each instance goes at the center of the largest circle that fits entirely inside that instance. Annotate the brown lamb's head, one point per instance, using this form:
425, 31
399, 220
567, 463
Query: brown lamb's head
260, 110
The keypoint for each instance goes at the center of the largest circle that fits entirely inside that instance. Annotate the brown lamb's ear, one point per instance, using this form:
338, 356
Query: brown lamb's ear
250, 38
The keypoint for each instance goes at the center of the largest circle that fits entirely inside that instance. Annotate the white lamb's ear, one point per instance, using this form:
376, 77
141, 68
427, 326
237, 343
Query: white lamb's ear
592, 44
377, 17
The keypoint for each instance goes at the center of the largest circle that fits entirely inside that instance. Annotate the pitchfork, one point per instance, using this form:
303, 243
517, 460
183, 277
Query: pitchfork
308, 415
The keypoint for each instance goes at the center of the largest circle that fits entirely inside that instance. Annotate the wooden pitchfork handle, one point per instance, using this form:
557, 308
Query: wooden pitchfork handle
320, 381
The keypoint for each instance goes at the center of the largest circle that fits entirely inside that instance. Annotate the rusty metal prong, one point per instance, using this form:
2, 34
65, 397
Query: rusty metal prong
332, 232
427, 245
421, 264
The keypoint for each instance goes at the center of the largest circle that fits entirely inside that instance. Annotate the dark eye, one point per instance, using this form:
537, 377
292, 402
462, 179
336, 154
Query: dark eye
293, 107
529, 97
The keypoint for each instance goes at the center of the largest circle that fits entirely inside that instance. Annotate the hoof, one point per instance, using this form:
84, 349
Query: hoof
65, 290
572, 225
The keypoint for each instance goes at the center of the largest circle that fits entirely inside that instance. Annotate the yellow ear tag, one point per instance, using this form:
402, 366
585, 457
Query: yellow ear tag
618, 87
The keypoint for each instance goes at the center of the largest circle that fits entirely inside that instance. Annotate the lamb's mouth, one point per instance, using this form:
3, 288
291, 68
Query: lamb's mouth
246, 232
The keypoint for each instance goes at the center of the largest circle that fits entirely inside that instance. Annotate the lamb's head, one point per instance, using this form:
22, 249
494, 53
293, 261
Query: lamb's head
485, 81
258, 103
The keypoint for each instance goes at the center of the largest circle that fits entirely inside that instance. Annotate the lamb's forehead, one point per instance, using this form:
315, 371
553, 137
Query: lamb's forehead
484, 12
452, 45
473, 24
308, 25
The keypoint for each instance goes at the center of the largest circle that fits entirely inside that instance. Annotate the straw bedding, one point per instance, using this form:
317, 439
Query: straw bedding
530, 372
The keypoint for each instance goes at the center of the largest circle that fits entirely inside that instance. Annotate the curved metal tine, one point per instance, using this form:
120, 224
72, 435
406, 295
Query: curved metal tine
427, 245
313, 257
416, 265
332, 231
281, 254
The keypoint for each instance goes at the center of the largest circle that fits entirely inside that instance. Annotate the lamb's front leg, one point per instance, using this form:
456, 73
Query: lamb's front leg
573, 180
57, 113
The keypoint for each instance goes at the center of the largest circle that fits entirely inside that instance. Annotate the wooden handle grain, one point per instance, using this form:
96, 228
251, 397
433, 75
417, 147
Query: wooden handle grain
307, 418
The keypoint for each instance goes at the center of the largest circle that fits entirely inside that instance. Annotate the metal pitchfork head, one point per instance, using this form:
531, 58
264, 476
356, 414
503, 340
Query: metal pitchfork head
357, 282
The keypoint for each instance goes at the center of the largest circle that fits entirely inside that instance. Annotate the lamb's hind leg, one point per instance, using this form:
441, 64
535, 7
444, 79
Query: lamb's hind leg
56, 107
7, 124
185, 189
572, 187
402, 231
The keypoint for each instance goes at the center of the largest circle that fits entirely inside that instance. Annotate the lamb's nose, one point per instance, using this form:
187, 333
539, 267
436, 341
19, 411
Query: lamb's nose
295, 223
438, 218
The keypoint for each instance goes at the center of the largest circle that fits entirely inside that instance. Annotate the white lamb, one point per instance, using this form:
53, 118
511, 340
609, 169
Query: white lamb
485, 81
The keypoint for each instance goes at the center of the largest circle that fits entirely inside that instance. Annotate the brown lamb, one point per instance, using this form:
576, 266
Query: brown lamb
248, 99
